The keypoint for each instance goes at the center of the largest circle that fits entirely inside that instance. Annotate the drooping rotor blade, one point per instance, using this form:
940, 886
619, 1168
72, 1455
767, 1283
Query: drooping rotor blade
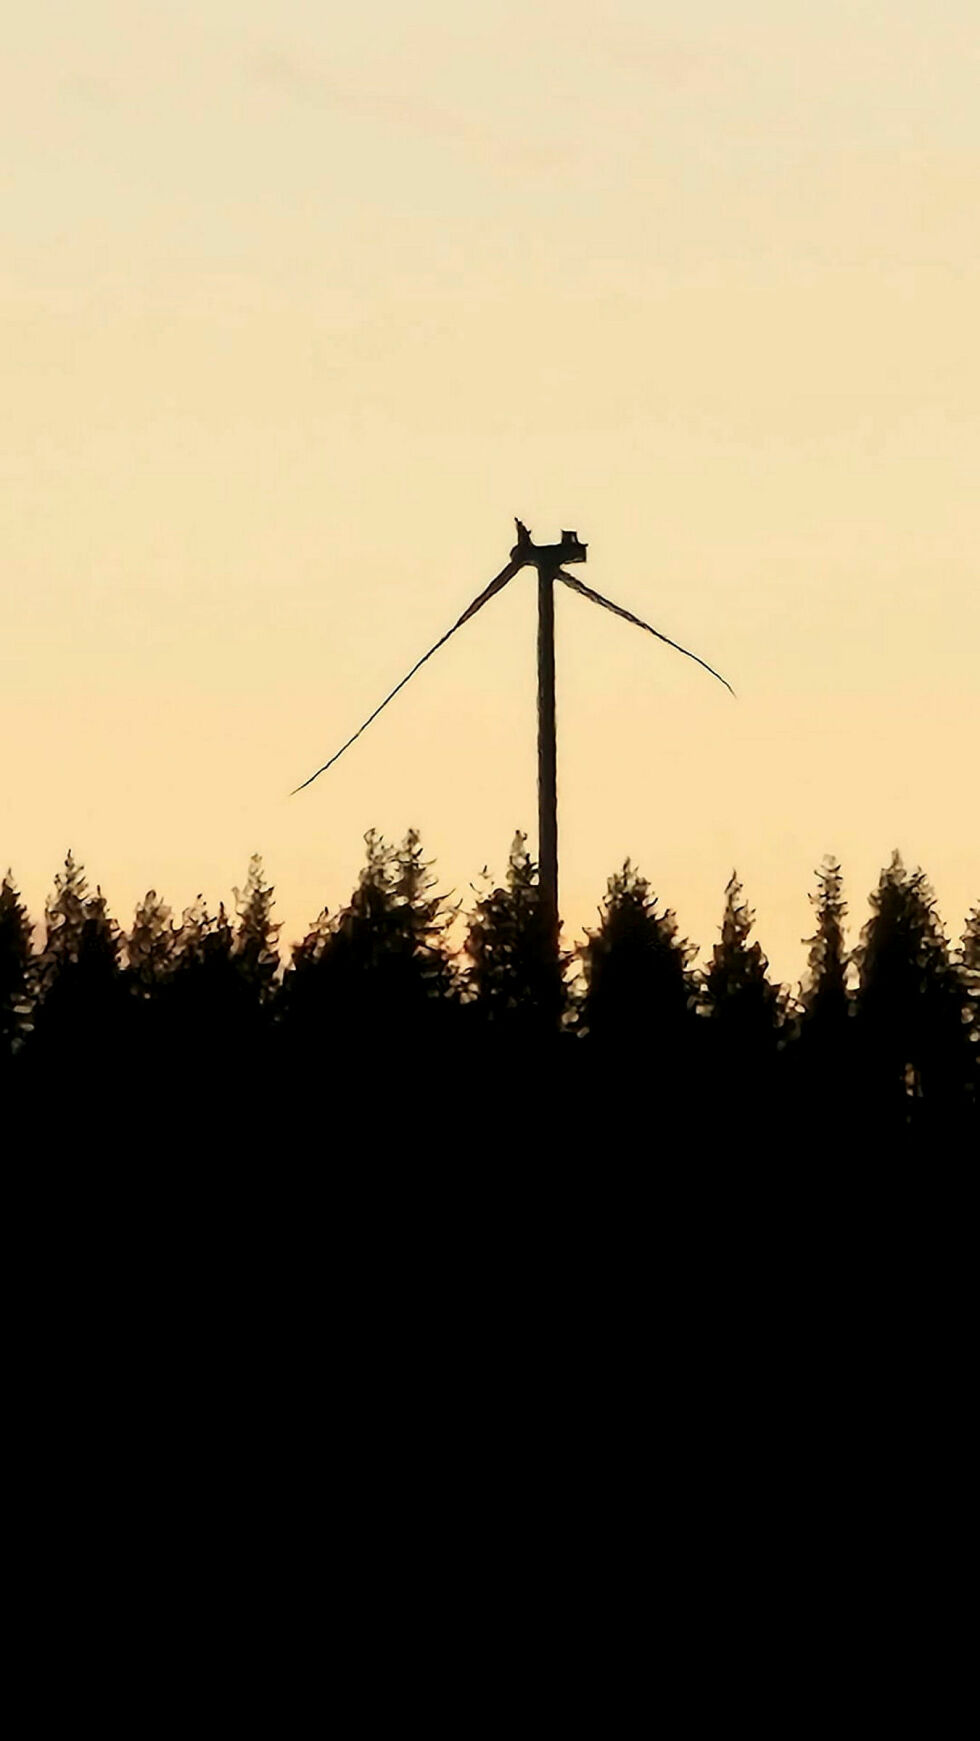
483, 598
617, 610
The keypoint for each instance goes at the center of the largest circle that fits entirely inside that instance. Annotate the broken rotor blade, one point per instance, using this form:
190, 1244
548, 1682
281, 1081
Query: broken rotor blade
617, 610
483, 598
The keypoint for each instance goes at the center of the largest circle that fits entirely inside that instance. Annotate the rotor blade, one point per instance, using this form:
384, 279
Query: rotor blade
617, 610
483, 598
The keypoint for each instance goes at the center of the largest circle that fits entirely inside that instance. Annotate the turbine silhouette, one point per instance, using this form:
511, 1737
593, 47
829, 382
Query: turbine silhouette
548, 560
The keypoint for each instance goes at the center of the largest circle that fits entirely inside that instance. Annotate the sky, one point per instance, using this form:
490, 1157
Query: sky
303, 304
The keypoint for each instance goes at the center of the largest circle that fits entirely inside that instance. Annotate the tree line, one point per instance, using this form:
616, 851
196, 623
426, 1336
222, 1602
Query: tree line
399, 1012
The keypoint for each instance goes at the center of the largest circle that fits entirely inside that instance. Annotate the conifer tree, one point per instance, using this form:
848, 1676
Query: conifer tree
392, 928
820, 1064
65, 914
15, 967
970, 974
203, 952
970, 967
911, 1000
426, 917
100, 942
79, 976
737, 993
256, 946
150, 959
743, 1010
79, 932
150, 946
308, 953
637, 988
514, 976
304, 996
379, 972
825, 996
206, 999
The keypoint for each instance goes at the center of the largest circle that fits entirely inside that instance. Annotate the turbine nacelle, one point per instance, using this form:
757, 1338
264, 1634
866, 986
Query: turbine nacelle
550, 556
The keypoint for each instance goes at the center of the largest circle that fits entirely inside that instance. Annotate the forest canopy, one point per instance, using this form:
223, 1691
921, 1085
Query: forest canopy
403, 991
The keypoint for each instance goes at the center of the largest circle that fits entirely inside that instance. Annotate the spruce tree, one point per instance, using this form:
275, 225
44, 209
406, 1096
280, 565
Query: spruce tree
80, 934
737, 994
150, 958
15, 968
743, 1010
426, 917
912, 1004
204, 976
638, 992
387, 948
79, 1008
377, 978
514, 976
65, 914
825, 996
299, 980
256, 945
970, 974
150, 946
820, 1062
630, 1074
211, 1025
970, 968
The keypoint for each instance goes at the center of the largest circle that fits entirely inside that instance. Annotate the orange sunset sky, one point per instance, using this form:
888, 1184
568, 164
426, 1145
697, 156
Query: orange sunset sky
303, 303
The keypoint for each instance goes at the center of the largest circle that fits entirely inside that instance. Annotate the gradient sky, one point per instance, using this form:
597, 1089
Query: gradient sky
302, 304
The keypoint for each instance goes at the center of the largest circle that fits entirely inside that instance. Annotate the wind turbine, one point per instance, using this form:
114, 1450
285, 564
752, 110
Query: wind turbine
548, 560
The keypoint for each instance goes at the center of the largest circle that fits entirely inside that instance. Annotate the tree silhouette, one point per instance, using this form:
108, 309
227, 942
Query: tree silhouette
303, 984
825, 996
912, 1005
638, 992
15, 968
79, 934
376, 981
79, 1006
737, 993
514, 976
256, 946
821, 1066
204, 942
377, 1024
65, 912
970, 973
150, 946
426, 917
203, 993
206, 1002
743, 1009
637, 1017
970, 965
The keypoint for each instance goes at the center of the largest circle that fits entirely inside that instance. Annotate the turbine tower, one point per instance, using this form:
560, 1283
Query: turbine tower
548, 559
